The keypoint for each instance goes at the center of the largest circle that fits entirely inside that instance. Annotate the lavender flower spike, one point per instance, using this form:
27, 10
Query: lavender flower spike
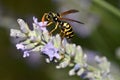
59, 50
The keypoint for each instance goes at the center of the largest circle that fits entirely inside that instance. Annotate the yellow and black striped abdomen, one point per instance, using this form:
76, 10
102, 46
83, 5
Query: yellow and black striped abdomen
66, 29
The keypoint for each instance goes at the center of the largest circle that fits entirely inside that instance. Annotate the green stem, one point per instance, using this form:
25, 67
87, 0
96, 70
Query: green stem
108, 7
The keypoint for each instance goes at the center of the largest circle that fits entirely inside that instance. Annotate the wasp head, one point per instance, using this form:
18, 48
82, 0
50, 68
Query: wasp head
52, 17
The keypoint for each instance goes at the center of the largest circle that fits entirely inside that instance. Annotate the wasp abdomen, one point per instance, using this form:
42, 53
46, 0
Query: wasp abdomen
66, 29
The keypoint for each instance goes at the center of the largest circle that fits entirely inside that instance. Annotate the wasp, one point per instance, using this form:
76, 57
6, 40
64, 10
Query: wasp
65, 28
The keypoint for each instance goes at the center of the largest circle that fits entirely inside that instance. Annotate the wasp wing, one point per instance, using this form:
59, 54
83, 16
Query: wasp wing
69, 12
67, 19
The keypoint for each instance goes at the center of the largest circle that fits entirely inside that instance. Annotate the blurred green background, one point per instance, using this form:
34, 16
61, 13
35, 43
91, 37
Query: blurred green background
104, 38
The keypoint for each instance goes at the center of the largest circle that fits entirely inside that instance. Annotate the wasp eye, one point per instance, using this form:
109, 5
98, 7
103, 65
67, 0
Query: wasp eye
55, 18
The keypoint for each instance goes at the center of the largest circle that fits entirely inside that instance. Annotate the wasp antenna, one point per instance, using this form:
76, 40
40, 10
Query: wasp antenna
43, 18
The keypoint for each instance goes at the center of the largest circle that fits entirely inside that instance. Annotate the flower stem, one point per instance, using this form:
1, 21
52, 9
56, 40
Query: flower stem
108, 7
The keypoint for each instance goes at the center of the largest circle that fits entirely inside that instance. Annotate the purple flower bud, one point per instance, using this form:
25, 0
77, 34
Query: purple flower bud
42, 25
20, 46
77, 67
26, 54
84, 74
50, 51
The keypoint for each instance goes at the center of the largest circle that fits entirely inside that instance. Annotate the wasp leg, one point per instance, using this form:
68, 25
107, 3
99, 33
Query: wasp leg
54, 29
61, 32
49, 23
63, 36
